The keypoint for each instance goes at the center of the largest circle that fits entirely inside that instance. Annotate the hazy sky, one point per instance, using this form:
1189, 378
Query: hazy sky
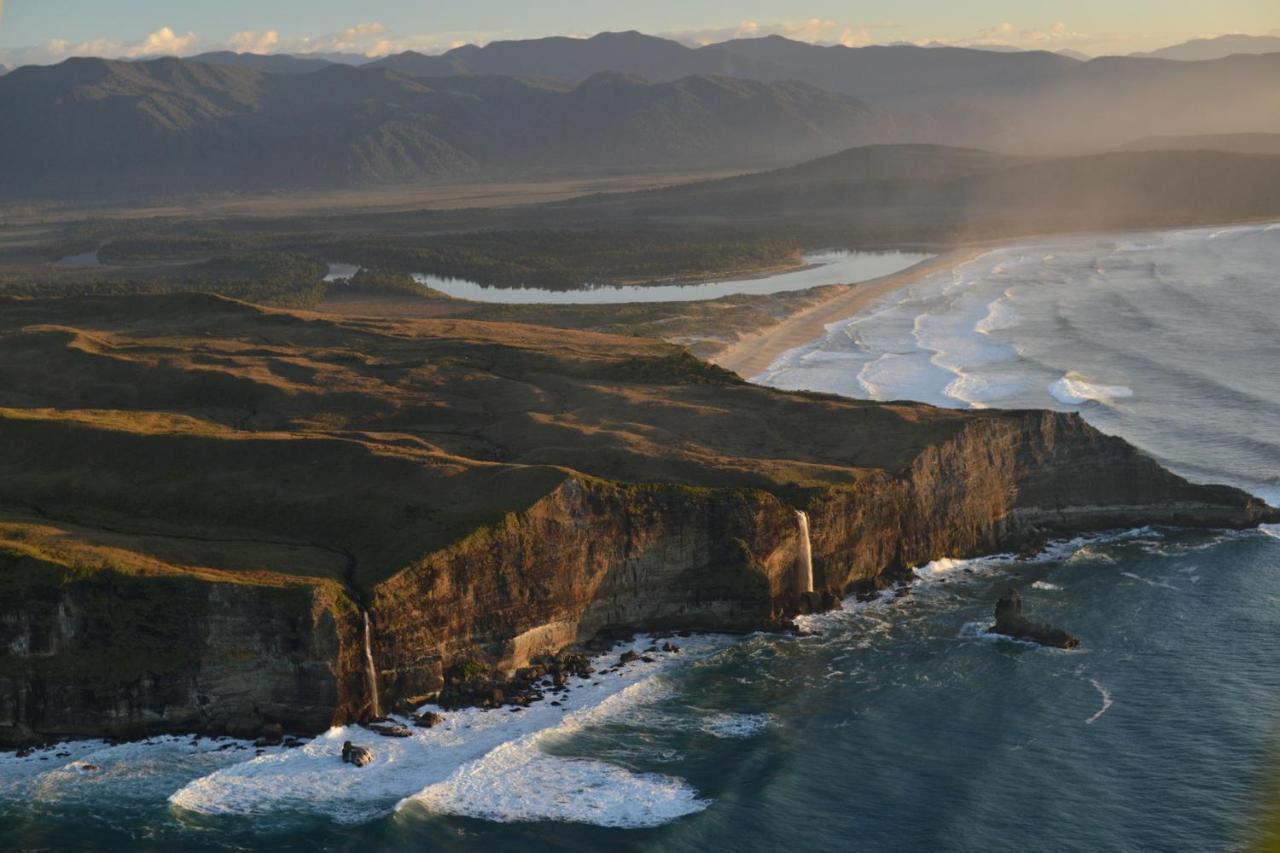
48, 30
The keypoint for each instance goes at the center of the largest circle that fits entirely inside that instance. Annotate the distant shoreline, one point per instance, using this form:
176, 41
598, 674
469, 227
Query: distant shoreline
754, 352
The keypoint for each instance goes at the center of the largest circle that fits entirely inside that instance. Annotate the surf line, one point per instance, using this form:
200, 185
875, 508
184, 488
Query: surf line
1106, 700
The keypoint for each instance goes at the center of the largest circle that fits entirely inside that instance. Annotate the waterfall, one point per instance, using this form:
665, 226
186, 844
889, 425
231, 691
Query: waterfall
370, 672
804, 564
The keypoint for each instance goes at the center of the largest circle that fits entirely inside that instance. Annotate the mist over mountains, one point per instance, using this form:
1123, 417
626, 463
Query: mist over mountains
1216, 48
948, 193
96, 128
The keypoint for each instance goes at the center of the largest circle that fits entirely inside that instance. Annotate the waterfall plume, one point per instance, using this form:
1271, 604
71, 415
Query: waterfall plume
371, 673
804, 563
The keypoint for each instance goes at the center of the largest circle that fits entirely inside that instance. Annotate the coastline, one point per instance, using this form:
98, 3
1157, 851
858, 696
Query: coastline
754, 352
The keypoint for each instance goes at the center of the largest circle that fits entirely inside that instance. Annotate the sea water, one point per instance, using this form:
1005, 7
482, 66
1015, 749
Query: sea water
899, 724
1169, 339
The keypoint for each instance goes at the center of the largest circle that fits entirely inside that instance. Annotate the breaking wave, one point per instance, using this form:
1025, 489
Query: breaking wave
1132, 331
473, 752
1074, 389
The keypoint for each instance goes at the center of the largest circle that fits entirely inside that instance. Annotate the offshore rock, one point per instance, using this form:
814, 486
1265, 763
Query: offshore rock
355, 754
1010, 622
429, 720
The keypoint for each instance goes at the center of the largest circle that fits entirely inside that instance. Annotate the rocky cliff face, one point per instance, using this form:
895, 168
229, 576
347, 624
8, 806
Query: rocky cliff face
595, 559
115, 655
123, 655
200, 500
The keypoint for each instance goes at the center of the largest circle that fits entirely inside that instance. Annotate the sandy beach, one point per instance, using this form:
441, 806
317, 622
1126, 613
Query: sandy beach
757, 350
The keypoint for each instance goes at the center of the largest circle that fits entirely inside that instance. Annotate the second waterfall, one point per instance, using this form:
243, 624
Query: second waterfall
371, 672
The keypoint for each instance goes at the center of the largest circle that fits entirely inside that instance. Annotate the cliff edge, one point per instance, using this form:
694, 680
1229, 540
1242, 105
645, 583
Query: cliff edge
207, 509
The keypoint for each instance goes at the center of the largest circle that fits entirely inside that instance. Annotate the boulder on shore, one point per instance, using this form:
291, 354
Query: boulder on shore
1011, 623
355, 754
429, 720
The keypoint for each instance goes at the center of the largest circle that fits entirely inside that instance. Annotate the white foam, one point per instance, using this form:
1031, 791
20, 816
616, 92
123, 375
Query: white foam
314, 780
816, 624
1073, 389
1106, 701
906, 376
1090, 554
981, 631
980, 391
519, 782
947, 566
1045, 585
736, 725
95, 771
1149, 582
950, 331
1001, 315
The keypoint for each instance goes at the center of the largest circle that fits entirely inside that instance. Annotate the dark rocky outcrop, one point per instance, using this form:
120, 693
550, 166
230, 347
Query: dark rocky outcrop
428, 720
1010, 622
356, 754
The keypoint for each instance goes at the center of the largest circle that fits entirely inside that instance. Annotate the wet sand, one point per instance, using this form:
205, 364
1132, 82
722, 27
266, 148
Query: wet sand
754, 352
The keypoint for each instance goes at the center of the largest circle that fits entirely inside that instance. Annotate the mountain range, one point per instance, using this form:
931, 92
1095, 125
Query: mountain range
99, 128
1216, 48
1022, 99
616, 102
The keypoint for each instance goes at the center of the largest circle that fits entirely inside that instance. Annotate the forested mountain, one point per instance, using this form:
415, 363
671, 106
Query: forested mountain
617, 102
93, 127
1012, 100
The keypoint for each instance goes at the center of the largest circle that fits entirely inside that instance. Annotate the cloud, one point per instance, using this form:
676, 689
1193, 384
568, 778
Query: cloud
254, 42
1054, 37
373, 39
369, 39
162, 42
814, 30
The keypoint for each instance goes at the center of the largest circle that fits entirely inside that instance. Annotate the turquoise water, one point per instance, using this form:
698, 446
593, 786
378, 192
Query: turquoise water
896, 725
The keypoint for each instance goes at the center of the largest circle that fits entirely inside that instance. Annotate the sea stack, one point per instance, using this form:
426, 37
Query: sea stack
1011, 623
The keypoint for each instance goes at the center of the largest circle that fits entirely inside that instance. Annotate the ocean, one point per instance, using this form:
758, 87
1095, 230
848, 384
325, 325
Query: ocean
894, 725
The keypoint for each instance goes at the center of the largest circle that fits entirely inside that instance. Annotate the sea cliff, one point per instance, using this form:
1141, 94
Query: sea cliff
202, 549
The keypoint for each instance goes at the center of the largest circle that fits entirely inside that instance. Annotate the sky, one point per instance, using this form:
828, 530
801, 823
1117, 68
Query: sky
51, 30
